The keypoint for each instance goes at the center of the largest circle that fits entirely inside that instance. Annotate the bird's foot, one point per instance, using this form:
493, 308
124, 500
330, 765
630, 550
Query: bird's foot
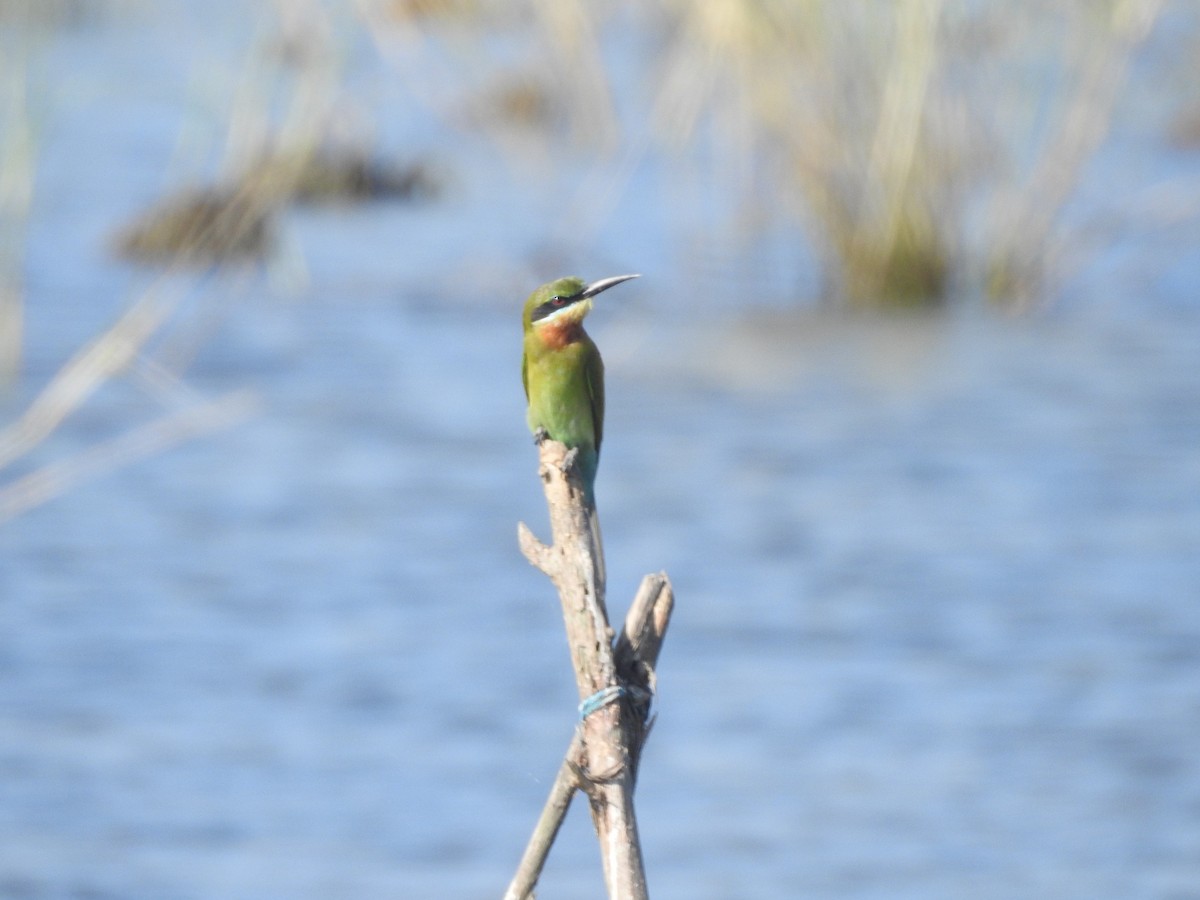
540, 436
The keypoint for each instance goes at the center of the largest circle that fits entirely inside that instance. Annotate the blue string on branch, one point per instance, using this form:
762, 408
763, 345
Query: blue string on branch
600, 699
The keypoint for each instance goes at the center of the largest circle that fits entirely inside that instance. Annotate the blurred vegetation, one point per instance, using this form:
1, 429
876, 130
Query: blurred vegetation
923, 149
927, 148
17, 156
204, 226
50, 12
236, 221
305, 154
416, 10
350, 175
18, 164
920, 150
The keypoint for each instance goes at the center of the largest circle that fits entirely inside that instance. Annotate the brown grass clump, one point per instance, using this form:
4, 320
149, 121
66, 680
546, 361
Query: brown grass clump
353, 177
201, 227
446, 10
236, 222
919, 143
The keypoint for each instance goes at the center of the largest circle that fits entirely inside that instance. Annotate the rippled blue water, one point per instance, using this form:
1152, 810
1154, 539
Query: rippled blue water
937, 630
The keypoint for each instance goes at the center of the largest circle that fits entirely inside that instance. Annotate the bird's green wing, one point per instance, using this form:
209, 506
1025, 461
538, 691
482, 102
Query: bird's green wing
594, 372
525, 375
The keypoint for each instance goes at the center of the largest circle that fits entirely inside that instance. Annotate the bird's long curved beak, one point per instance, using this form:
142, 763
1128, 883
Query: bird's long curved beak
604, 284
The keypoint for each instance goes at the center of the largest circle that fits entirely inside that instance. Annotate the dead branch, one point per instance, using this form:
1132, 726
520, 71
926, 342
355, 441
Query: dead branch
602, 759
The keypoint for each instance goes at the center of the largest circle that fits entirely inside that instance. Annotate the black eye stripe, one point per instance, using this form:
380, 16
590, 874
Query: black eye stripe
554, 304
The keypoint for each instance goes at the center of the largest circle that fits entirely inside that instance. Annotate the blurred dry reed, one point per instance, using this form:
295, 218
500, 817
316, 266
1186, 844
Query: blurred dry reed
924, 149
456, 57
26, 27
17, 166
268, 161
120, 350
314, 150
53, 13
918, 142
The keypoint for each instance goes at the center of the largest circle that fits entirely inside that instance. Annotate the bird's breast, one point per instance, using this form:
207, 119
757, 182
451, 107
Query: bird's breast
560, 335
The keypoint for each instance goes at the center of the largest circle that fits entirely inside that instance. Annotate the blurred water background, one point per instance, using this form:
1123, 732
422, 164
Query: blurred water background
907, 403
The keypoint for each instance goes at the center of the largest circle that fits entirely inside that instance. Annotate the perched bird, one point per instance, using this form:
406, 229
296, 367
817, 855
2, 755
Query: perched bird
563, 373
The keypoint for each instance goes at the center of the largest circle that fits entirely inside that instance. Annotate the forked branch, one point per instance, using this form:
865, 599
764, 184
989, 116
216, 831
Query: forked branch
615, 681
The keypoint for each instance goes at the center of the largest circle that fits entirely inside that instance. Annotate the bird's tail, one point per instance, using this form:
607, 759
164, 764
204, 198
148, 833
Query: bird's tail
598, 548
587, 462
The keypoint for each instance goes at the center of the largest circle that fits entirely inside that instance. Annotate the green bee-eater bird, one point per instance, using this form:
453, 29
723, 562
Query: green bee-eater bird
563, 372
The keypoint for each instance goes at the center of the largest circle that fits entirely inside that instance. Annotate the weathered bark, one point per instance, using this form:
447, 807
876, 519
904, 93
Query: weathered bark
602, 759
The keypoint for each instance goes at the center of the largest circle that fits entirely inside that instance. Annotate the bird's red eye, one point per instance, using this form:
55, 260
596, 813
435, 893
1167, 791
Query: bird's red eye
558, 301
